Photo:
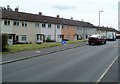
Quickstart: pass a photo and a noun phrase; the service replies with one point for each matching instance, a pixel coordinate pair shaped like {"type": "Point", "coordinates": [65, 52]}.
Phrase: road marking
{"type": "Point", "coordinates": [38, 51]}
{"type": "Point", "coordinates": [101, 77]}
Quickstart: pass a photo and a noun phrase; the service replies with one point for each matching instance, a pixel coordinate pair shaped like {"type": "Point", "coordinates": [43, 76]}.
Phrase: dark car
{"type": "Point", "coordinates": [97, 39]}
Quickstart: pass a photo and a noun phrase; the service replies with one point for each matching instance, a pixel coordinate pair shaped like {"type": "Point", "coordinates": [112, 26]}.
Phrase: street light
{"type": "Point", "coordinates": [99, 19]}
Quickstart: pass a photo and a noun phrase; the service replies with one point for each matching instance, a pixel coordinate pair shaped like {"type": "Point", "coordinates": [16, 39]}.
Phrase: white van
{"type": "Point", "coordinates": [111, 36]}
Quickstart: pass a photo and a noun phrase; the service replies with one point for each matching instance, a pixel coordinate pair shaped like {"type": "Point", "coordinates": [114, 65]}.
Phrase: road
{"type": "Point", "coordinates": [82, 64]}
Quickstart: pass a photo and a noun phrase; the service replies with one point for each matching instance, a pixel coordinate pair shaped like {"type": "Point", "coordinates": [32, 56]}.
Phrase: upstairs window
{"type": "Point", "coordinates": [49, 25]}
{"type": "Point", "coordinates": [36, 24]}
{"type": "Point", "coordinates": [43, 25]}
{"type": "Point", "coordinates": [16, 23]}
{"type": "Point", "coordinates": [24, 24]}
{"type": "Point", "coordinates": [58, 26]}
{"type": "Point", "coordinates": [7, 22]}
{"type": "Point", "coordinates": [78, 28]}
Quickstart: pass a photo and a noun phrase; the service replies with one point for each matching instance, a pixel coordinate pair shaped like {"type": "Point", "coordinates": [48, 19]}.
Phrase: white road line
{"type": "Point", "coordinates": [107, 70]}
{"type": "Point", "coordinates": [38, 51]}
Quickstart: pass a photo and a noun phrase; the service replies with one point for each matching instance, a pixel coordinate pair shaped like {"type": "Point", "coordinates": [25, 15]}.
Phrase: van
{"type": "Point", "coordinates": [111, 36]}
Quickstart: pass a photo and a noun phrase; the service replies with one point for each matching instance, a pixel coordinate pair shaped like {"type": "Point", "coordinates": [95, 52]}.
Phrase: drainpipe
{"type": "Point", "coordinates": [55, 32]}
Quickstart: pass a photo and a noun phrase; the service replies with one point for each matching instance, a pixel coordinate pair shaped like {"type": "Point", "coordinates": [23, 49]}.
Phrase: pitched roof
{"type": "Point", "coordinates": [15, 15]}
{"type": "Point", "coordinates": [106, 29]}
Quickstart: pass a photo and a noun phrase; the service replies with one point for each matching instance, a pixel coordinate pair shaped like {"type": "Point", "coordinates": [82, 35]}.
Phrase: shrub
{"type": "Point", "coordinates": [4, 42]}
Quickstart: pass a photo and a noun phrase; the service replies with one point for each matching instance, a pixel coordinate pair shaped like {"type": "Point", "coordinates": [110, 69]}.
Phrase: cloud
{"type": "Point", "coordinates": [63, 7]}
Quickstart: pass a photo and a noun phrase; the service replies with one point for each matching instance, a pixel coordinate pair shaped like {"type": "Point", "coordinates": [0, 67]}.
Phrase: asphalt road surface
{"type": "Point", "coordinates": [82, 64]}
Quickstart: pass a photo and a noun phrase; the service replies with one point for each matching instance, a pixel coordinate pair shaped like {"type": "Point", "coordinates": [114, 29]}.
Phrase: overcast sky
{"type": "Point", "coordinates": [88, 10]}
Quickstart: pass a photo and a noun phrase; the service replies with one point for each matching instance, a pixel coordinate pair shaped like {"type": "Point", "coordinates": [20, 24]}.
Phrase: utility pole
{"type": "Point", "coordinates": [99, 20]}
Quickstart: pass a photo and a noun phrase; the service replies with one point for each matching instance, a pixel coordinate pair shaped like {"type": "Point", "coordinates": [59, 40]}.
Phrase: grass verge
{"type": "Point", "coordinates": [26, 47]}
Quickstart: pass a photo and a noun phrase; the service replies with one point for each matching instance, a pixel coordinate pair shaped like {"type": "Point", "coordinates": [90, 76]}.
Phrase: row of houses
{"type": "Point", "coordinates": [28, 27]}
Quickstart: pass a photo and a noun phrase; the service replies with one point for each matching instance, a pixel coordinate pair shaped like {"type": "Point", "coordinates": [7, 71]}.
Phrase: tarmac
{"type": "Point", "coordinates": [18, 56]}
{"type": "Point", "coordinates": [110, 77]}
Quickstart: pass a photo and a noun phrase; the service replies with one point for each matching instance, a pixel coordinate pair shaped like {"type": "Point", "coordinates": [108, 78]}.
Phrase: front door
{"type": "Point", "coordinates": [41, 37]}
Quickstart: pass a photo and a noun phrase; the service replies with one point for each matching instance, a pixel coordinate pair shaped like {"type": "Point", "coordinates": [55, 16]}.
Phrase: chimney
{"type": "Point", "coordinates": [40, 13]}
{"type": "Point", "coordinates": [16, 9]}
{"type": "Point", "coordinates": [58, 16]}
{"type": "Point", "coordinates": [71, 18]}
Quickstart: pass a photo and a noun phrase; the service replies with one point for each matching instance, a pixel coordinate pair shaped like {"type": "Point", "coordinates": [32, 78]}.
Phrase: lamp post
{"type": "Point", "coordinates": [99, 19]}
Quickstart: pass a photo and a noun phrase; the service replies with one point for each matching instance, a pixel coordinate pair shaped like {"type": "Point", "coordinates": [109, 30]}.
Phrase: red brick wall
{"type": "Point", "coordinates": [69, 31]}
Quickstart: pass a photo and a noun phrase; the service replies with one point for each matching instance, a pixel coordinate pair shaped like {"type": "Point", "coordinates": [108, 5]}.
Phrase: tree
{"type": "Point", "coordinates": [7, 8]}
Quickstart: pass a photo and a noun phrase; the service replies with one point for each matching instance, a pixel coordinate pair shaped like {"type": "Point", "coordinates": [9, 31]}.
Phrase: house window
{"type": "Point", "coordinates": [24, 24]}
{"type": "Point", "coordinates": [62, 26]}
{"type": "Point", "coordinates": [24, 38]}
{"type": "Point", "coordinates": [6, 22]}
{"type": "Point", "coordinates": [36, 24]}
{"type": "Point", "coordinates": [58, 26]}
{"type": "Point", "coordinates": [81, 28]}
{"type": "Point", "coordinates": [49, 25]}
{"type": "Point", "coordinates": [43, 25]}
{"type": "Point", "coordinates": [16, 23]}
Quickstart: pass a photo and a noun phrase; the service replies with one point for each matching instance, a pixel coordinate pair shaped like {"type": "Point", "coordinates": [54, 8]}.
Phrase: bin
{"type": "Point", "coordinates": [63, 42]}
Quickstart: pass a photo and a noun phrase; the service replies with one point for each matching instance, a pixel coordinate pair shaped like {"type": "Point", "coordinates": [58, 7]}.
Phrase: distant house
{"type": "Point", "coordinates": [103, 30]}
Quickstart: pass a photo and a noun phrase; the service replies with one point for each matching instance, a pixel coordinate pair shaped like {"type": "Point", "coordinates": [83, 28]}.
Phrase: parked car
{"type": "Point", "coordinates": [97, 39]}
{"type": "Point", "coordinates": [117, 36]}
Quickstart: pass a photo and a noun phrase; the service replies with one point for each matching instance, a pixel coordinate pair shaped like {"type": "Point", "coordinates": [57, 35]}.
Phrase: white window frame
{"type": "Point", "coordinates": [37, 24]}
{"type": "Point", "coordinates": [24, 36]}
{"type": "Point", "coordinates": [16, 23]}
{"type": "Point", "coordinates": [49, 25]}
{"type": "Point", "coordinates": [43, 25]}
{"type": "Point", "coordinates": [7, 22]}
{"type": "Point", "coordinates": [58, 26]}
{"type": "Point", "coordinates": [24, 24]}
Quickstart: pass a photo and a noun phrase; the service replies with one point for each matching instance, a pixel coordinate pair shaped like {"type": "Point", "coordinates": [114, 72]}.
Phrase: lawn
{"type": "Point", "coordinates": [77, 41]}
{"type": "Point", "coordinates": [26, 47]}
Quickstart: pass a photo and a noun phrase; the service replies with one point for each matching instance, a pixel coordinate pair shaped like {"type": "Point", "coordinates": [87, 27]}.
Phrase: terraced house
{"type": "Point", "coordinates": [26, 27]}
{"type": "Point", "coordinates": [76, 30]}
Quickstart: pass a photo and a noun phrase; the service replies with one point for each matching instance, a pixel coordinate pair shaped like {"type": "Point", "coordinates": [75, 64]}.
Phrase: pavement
{"type": "Point", "coordinates": [18, 56]}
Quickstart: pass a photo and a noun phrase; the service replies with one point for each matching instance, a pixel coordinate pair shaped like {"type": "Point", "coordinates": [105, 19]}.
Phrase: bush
{"type": "Point", "coordinates": [49, 40]}
{"type": "Point", "coordinates": [4, 42]}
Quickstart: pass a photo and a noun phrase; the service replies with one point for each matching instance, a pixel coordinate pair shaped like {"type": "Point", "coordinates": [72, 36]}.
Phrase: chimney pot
{"type": "Point", "coordinates": [16, 9]}
{"type": "Point", "coordinates": [40, 13]}
{"type": "Point", "coordinates": [71, 18]}
{"type": "Point", "coordinates": [58, 16]}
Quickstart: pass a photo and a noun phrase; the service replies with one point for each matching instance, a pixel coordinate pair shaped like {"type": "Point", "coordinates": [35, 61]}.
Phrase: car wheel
{"type": "Point", "coordinates": [105, 42]}
{"type": "Point", "coordinates": [89, 43]}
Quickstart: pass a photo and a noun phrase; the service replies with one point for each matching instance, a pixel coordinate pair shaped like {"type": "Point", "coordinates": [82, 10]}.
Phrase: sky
{"type": "Point", "coordinates": [86, 10]}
